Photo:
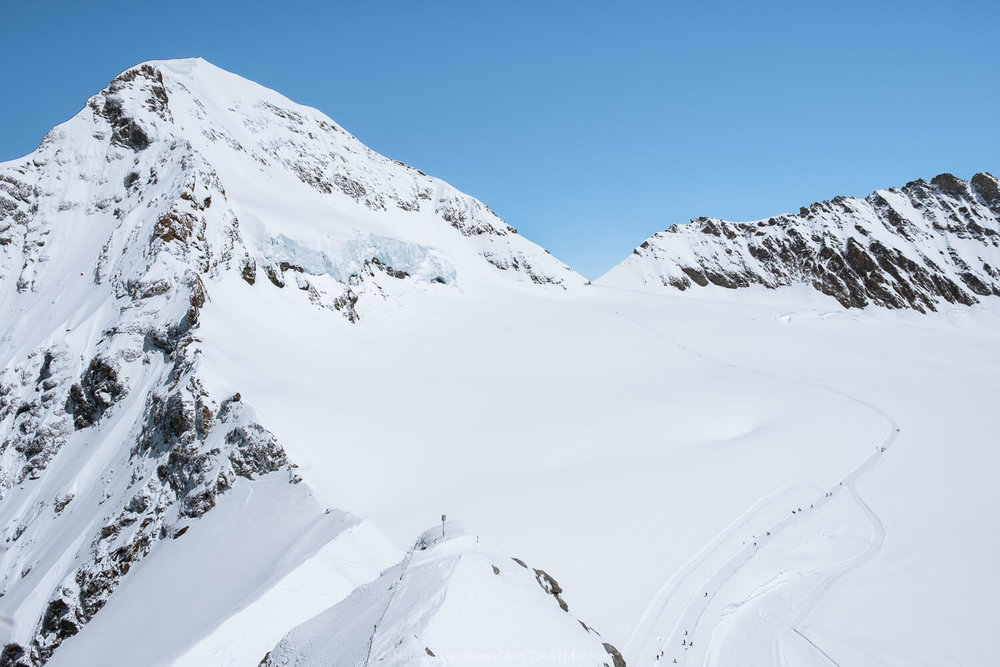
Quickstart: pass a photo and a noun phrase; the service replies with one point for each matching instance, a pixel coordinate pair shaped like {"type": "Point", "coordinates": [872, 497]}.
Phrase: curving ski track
{"type": "Point", "coordinates": [673, 620]}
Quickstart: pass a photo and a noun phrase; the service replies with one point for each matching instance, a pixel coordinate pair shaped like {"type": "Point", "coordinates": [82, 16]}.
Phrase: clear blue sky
{"type": "Point", "coordinates": [587, 125]}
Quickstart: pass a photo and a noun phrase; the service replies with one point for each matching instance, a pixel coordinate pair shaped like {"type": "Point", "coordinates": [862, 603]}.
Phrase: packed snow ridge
{"type": "Point", "coordinates": [912, 247]}
{"type": "Point", "coordinates": [453, 600]}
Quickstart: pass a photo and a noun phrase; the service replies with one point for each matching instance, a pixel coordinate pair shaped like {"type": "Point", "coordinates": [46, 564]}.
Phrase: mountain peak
{"type": "Point", "coordinates": [202, 79]}
{"type": "Point", "coordinates": [292, 185]}
{"type": "Point", "coordinates": [187, 70]}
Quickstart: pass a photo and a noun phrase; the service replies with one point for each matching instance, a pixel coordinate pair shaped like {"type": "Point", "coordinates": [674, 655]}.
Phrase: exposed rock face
{"type": "Point", "coordinates": [29, 403]}
{"type": "Point", "coordinates": [551, 586]}
{"type": "Point", "coordinates": [95, 393]}
{"type": "Point", "coordinates": [917, 247]}
{"type": "Point", "coordinates": [181, 452]}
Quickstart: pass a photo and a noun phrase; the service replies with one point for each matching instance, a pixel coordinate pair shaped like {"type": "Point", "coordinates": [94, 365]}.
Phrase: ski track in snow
{"type": "Point", "coordinates": [678, 609]}
{"type": "Point", "coordinates": [388, 605]}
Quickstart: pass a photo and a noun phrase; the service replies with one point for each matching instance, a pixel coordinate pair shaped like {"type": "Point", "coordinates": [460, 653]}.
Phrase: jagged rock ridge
{"type": "Point", "coordinates": [912, 247]}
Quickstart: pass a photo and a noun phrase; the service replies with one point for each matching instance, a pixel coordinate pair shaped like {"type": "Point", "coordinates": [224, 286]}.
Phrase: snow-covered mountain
{"type": "Point", "coordinates": [114, 235]}
{"type": "Point", "coordinates": [916, 247]}
{"type": "Point", "coordinates": [245, 361]}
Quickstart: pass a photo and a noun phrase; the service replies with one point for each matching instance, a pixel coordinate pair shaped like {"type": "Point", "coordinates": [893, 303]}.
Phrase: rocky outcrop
{"type": "Point", "coordinates": [551, 586]}
{"type": "Point", "coordinates": [918, 247]}
{"type": "Point", "coordinates": [30, 403]}
{"type": "Point", "coordinates": [98, 389]}
{"type": "Point", "coordinates": [127, 130]}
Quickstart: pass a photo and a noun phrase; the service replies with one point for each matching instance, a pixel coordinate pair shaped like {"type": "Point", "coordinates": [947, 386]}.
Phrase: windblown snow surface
{"type": "Point", "coordinates": [280, 407]}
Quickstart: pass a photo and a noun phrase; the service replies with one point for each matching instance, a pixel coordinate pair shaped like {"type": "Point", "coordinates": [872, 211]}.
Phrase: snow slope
{"type": "Point", "coordinates": [893, 567]}
{"type": "Point", "coordinates": [451, 602]}
{"type": "Point", "coordinates": [616, 439]}
{"type": "Point", "coordinates": [225, 318]}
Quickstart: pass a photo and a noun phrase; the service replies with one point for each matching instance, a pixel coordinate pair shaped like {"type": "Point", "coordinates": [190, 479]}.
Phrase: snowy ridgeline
{"type": "Point", "coordinates": [450, 601]}
{"type": "Point", "coordinates": [920, 246]}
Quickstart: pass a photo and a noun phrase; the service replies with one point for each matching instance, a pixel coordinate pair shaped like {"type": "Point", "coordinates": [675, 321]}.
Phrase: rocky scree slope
{"type": "Point", "coordinates": [919, 246]}
{"type": "Point", "coordinates": [174, 178]}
